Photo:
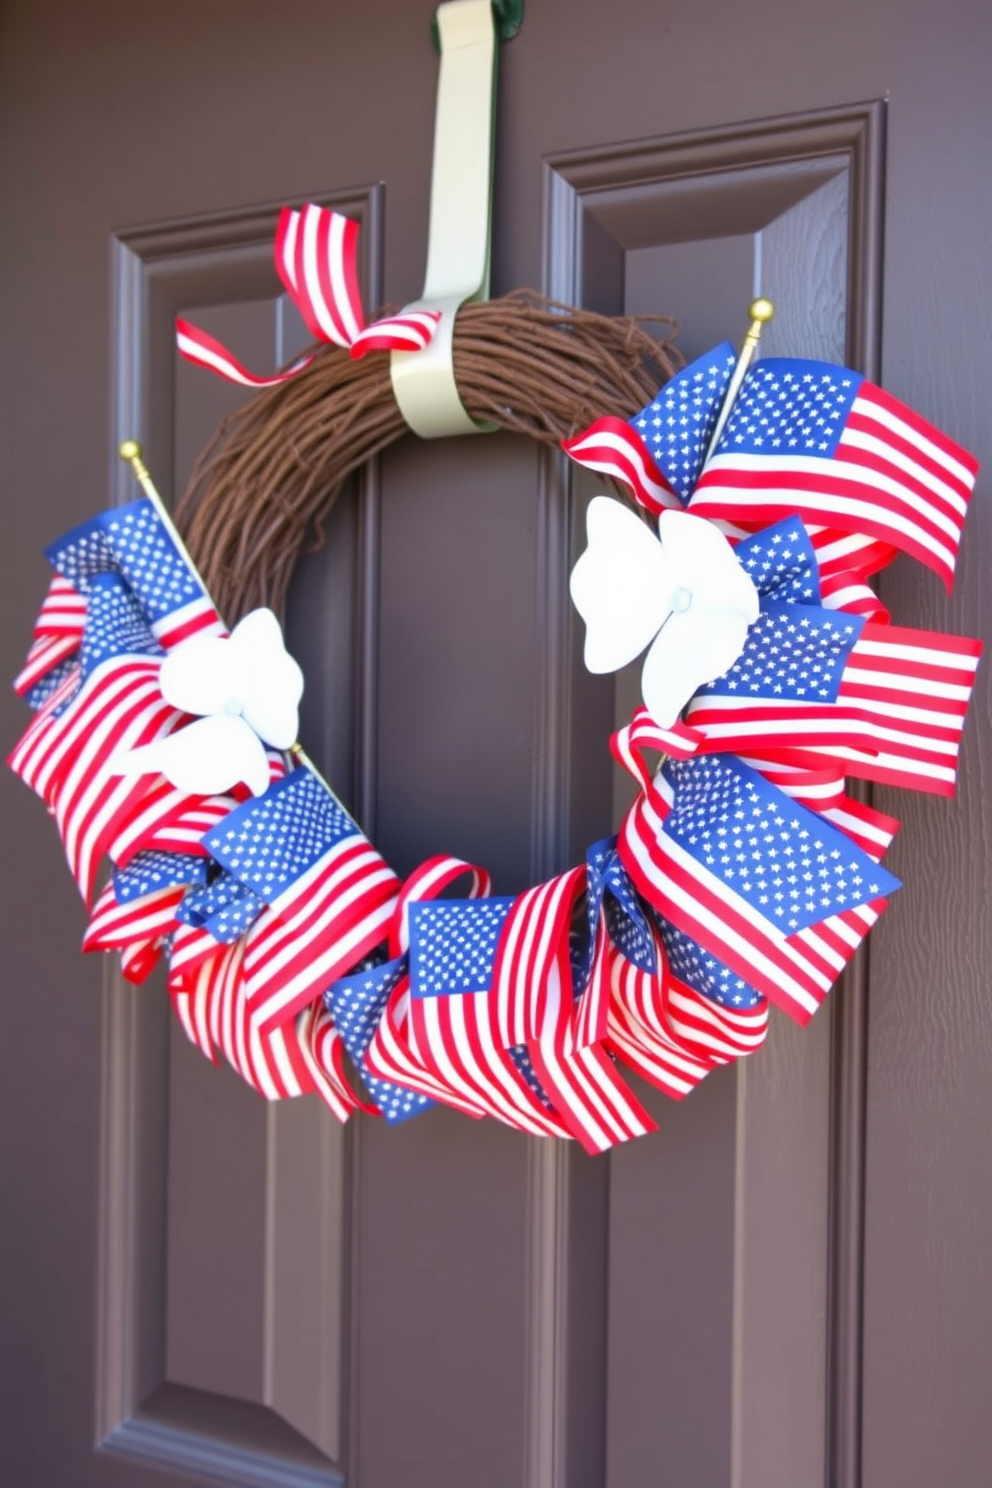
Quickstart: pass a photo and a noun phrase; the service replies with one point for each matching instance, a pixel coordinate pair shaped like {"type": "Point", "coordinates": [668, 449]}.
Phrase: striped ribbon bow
{"type": "Point", "coordinates": [316, 257]}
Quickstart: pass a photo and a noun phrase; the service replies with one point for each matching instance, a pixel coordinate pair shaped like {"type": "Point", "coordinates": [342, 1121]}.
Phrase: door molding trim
{"type": "Point", "coordinates": [213, 259]}
{"type": "Point", "coordinates": [629, 196]}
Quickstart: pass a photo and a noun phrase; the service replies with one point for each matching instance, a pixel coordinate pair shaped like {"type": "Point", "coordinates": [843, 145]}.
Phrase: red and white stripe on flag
{"type": "Point", "coordinates": [795, 972]}
{"type": "Point", "coordinates": [455, 1037]}
{"type": "Point", "coordinates": [392, 1056]}
{"type": "Point", "coordinates": [583, 1083]}
{"type": "Point", "coordinates": [303, 1056]}
{"type": "Point", "coordinates": [893, 477]}
{"type": "Point", "coordinates": [670, 1033]}
{"type": "Point", "coordinates": [528, 953]}
{"type": "Point", "coordinates": [328, 919]}
{"type": "Point", "coordinates": [611, 447]}
{"type": "Point", "coordinates": [898, 717]}
{"type": "Point", "coordinates": [58, 633]}
{"type": "Point", "coordinates": [137, 929]}
{"type": "Point", "coordinates": [68, 760]}
{"type": "Point", "coordinates": [628, 744]}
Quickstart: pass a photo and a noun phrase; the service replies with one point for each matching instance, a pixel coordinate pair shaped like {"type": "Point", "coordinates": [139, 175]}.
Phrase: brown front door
{"type": "Point", "coordinates": [785, 1286]}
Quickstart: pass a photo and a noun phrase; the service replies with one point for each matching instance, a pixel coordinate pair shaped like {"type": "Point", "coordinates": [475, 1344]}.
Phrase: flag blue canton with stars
{"type": "Point", "coordinates": [115, 625]}
{"type": "Point", "coordinates": [608, 888]}
{"type": "Point", "coordinates": [271, 842]}
{"type": "Point", "coordinates": [453, 944]}
{"type": "Point", "coordinates": [691, 964]}
{"type": "Point", "coordinates": [792, 653]}
{"type": "Point", "coordinates": [37, 696]}
{"type": "Point", "coordinates": [131, 541]}
{"type": "Point", "coordinates": [225, 908]}
{"type": "Point", "coordinates": [793, 868]}
{"type": "Point", "coordinates": [790, 407]}
{"type": "Point", "coordinates": [356, 1004]}
{"type": "Point", "coordinates": [781, 562]}
{"type": "Point", "coordinates": [676, 427]}
{"type": "Point", "coordinates": [151, 871]}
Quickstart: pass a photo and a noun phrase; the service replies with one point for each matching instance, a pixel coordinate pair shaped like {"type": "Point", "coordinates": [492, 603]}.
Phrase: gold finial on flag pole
{"type": "Point", "coordinates": [761, 312]}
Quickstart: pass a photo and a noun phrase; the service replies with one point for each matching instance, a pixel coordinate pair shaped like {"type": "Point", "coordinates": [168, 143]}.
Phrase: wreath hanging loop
{"type": "Point", "coordinates": [262, 488]}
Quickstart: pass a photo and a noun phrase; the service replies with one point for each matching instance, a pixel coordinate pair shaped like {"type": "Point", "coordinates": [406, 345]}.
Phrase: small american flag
{"type": "Point", "coordinates": [890, 702]}
{"type": "Point", "coordinates": [660, 452]}
{"type": "Point", "coordinates": [453, 1024]}
{"type": "Point", "coordinates": [133, 542]}
{"type": "Point", "coordinates": [330, 896]}
{"type": "Point", "coordinates": [768, 888]}
{"type": "Point", "coordinates": [819, 440]}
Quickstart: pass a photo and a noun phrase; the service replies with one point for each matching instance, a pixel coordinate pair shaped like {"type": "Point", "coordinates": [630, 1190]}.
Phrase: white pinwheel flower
{"type": "Point", "coordinates": [246, 690]}
{"type": "Point", "coordinates": [683, 592]}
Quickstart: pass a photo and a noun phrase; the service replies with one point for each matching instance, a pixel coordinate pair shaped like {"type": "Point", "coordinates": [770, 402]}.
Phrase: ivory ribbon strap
{"type": "Point", "coordinates": [461, 203]}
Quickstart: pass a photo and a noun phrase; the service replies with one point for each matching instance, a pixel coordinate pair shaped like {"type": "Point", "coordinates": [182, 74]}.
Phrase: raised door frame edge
{"type": "Point", "coordinates": [130, 1354]}
{"type": "Point", "coordinates": [571, 183]}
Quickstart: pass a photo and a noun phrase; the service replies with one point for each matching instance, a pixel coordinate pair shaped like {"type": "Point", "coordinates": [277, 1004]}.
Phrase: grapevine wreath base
{"type": "Point", "coordinates": [743, 875]}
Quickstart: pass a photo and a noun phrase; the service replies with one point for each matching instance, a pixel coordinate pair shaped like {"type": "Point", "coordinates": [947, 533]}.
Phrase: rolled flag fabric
{"type": "Point", "coordinates": [58, 634]}
{"type": "Point", "coordinates": [357, 1004]}
{"type": "Point", "coordinates": [301, 1057]}
{"type": "Point", "coordinates": [316, 257]}
{"type": "Point", "coordinates": [533, 999]}
{"type": "Point", "coordinates": [820, 440]}
{"type": "Point", "coordinates": [67, 755]}
{"type": "Point", "coordinates": [329, 895]}
{"type": "Point", "coordinates": [659, 453]}
{"type": "Point", "coordinates": [767, 887]}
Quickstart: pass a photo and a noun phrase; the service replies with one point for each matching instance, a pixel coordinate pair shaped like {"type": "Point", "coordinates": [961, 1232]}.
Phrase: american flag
{"type": "Point", "coordinates": [453, 1029]}
{"type": "Point", "coordinates": [135, 543]}
{"type": "Point", "coordinates": [890, 702]}
{"type": "Point", "coordinates": [765, 886]}
{"type": "Point", "coordinates": [660, 452]}
{"type": "Point", "coordinates": [819, 440]}
{"type": "Point", "coordinates": [67, 756]}
{"type": "Point", "coordinates": [330, 896]}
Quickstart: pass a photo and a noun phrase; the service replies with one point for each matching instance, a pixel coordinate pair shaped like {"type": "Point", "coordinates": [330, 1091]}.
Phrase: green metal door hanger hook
{"type": "Point", "coordinates": [509, 19]}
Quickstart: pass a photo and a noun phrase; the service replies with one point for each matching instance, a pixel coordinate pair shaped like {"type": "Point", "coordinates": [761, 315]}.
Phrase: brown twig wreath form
{"type": "Point", "coordinates": [261, 489]}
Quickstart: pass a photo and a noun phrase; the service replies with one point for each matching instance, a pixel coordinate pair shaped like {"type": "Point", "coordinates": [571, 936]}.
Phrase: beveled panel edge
{"type": "Point", "coordinates": [849, 1026]}
{"type": "Point", "coordinates": [139, 256]}
{"type": "Point", "coordinates": [159, 1436]}
{"type": "Point", "coordinates": [780, 140]}
{"type": "Point", "coordinates": [858, 131]}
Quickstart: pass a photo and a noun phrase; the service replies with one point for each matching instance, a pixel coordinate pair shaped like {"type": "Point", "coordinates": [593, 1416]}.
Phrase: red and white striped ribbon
{"type": "Point", "coordinates": [316, 256]}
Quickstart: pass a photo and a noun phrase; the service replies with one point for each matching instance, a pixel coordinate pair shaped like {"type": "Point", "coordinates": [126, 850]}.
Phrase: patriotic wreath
{"type": "Point", "coordinates": [743, 874]}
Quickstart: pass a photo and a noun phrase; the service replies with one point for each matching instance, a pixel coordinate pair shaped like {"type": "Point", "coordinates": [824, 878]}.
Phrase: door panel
{"type": "Point", "coordinates": [197, 1285]}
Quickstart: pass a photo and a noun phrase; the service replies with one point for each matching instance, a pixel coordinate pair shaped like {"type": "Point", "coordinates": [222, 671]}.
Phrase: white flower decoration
{"type": "Point", "coordinates": [246, 690]}
{"type": "Point", "coordinates": [686, 593]}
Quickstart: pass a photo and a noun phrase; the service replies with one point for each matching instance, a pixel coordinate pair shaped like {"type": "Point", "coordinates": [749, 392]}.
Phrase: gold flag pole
{"type": "Point", "coordinates": [761, 312]}
{"type": "Point", "coordinates": [130, 453]}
